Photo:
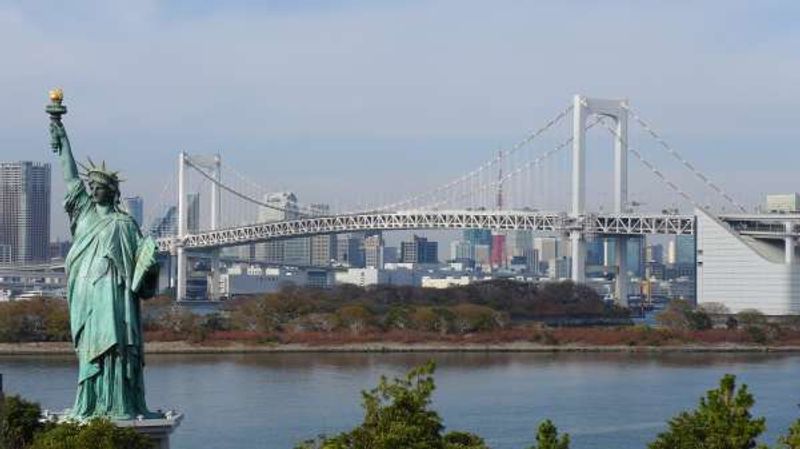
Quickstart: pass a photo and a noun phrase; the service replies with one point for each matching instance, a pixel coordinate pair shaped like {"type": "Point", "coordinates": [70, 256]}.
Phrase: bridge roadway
{"type": "Point", "coordinates": [589, 224]}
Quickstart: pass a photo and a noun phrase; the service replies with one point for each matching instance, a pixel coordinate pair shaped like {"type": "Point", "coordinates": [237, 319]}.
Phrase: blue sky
{"type": "Point", "coordinates": [335, 99]}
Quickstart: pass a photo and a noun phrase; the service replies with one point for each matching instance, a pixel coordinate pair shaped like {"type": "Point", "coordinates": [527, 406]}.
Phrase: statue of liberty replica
{"type": "Point", "coordinates": [110, 267]}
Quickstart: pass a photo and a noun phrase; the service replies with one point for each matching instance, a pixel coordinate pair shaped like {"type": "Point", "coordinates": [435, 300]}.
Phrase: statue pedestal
{"type": "Point", "coordinates": [158, 429]}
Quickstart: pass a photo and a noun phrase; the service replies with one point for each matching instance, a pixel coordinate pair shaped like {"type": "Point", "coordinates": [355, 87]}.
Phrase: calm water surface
{"type": "Point", "coordinates": [275, 400]}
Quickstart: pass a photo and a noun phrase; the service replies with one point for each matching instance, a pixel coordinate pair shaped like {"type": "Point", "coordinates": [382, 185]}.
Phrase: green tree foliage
{"type": "Point", "coordinates": [397, 415]}
{"type": "Point", "coordinates": [97, 434]}
{"type": "Point", "coordinates": [721, 421]}
{"type": "Point", "coordinates": [792, 438]}
{"type": "Point", "coordinates": [20, 422]}
{"type": "Point", "coordinates": [463, 440]}
{"type": "Point", "coordinates": [679, 315]}
{"type": "Point", "coordinates": [547, 437]}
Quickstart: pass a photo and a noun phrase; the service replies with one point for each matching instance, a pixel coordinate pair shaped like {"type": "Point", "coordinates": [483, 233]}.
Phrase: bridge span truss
{"type": "Point", "coordinates": [609, 224]}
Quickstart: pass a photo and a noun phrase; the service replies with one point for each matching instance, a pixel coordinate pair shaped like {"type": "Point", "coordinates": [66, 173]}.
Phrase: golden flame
{"type": "Point", "coordinates": [56, 94]}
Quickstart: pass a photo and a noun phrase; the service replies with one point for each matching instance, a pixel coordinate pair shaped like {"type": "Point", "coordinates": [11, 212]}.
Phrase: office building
{"type": "Point", "coordinates": [478, 236]}
{"type": "Point", "coordinates": [323, 247]}
{"type": "Point", "coordinates": [655, 253]}
{"type": "Point", "coordinates": [24, 212]}
{"type": "Point", "coordinates": [135, 207]}
{"type": "Point", "coordinates": [373, 251]}
{"type": "Point", "coordinates": [462, 250]}
{"type": "Point", "coordinates": [283, 206]}
{"type": "Point", "coordinates": [419, 250]}
{"type": "Point", "coordinates": [498, 257]}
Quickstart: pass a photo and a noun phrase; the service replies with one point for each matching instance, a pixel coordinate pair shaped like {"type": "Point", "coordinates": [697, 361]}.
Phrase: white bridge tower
{"type": "Point", "coordinates": [583, 108]}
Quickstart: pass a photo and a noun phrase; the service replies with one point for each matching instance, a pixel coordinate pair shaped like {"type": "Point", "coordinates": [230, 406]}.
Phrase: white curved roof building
{"type": "Point", "coordinates": [748, 262]}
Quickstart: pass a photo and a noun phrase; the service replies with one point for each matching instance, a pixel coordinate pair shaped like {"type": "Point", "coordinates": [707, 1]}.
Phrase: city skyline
{"type": "Point", "coordinates": [394, 101]}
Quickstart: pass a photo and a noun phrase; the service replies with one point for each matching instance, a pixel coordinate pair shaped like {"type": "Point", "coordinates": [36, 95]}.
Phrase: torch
{"type": "Point", "coordinates": [55, 109]}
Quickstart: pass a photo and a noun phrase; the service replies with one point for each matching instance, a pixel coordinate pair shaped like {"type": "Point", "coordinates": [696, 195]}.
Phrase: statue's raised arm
{"type": "Point", "coordinates": [58, 136]}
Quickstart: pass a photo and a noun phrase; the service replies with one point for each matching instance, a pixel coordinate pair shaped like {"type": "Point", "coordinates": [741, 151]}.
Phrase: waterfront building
{"type": "Point", "coordinates": [364, 277]}
{"type": "Point", "coordinates": [743, 272]}
{"type": "Point", "coordinates": [24, 212]}
{"type": "Point", "coordinates": [135, 207]}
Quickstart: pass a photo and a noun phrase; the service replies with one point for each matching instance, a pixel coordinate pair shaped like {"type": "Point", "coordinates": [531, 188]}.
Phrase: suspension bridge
{"type": "Point", "coordinates": [516, 189]}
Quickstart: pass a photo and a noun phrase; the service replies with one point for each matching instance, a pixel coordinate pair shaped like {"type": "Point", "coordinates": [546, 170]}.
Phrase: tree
{"type": "Point", "coordinates": [397, 415]}
{"type": "Point", "coordinates": [721, 421]}
{"type": "Point", "coordinates": [547, 437]}
{"type": "Point", "coordinates": [792, 439]}
{"type": "Point", "coordinates": [20, 422]}
{"type": "Point", "coordinates": [680, 316]}
{"type": "Point", "coordinates": [96, 434]}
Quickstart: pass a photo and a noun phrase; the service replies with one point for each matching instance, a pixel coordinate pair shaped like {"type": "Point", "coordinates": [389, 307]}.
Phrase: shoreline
{"type": "Point", "coordinates": [182, 347]}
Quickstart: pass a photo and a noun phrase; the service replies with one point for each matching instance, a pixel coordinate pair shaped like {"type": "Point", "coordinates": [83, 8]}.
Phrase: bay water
{"type": "Point", "coordinates": [603, 400]}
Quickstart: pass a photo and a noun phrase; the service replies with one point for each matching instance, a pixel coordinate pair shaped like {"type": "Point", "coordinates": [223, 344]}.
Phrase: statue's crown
{"type": "Point", "coordinates": [101, 175]}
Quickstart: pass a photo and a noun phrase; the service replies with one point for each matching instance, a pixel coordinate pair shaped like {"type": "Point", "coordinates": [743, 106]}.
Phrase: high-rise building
{"type": "Point", "coordinates": [297, 251]}
{"type": "Point", "coordinates": [518, 243]}
{"type": "Point", "coordinates": [323, 247]}
{"type": "Point", "coordinates": [462, 250]}
{"type": "Point", "coordinates": [283, 207]}
{"type": "Point", "coordinates": [498, 257]}
{"type": "Point", "coordinates": [684, 249]}
{"type": "Point", "coordinates": [595, 251]}
{"type": "Point", "coordinates": [655, 253]}
{"type": "Point", "coordinates": [193, 212]}
{"type": "Point", "coordinates": [478, 236]}
{"type": "Point", "coordinates": [135, 206]}
{"type": "Point", "coordinates": [419, 250]}
{"type": "Point", "coordinates": [24, 212]}
{"type": "Point", "coordinates": [548, 248]}
{"type": "Point", "coordinates": [165, 224]}
{"type": "Point", "coordinates": [636, 257]}
{"type": "Point", "coordinates": [373, 251]}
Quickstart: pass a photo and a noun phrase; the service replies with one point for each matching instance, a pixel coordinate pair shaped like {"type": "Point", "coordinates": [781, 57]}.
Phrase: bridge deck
{"type": "Point", "coordinates": [602, 224]}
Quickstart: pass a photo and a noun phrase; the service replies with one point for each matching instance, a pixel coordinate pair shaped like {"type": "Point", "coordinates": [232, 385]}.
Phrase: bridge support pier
{"type": "Point", "coordinates": [213, 290]}
{"type": "Point", "coordinates": [578, 249]}
{"type": "Point", "coordinates": [789, 243]}
{"type": "Point", "coordinates": [180, 287]}
{"type": "Point", "coordinates": [621, 251]}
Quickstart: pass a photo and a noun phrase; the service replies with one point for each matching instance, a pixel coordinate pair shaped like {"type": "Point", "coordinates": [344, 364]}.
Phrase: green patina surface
{"type": "Point", "coordinates": [110, 267]}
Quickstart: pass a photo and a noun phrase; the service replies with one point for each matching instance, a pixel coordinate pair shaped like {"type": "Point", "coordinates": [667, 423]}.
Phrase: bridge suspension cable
{"type": "Point", "coordinates": [234, 192]}
{"type": "Point", "coordinates": [677, 156]}
{"type": "Point", "coordinates": [658, 173]}
{"type": "Point", "coordinates": [525, 167]}
{"type": "Point", "coordinates": [487, 165]}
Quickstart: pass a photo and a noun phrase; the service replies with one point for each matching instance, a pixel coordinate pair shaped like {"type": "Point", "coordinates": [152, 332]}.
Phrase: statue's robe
{"type": "Point", "coordinates": [104, 284]}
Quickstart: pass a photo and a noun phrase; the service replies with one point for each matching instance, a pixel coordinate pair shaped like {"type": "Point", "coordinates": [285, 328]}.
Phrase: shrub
{"type": "Point", "coordinates": [20, 422]}
{"type": "Point", "coordinates": [96, 434]}
{"type": "Point", "coordinates": [547, 437]}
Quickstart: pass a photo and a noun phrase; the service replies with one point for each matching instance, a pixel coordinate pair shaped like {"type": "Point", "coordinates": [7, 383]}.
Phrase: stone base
{"type": "Point", "coordinates": [158, 429]}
